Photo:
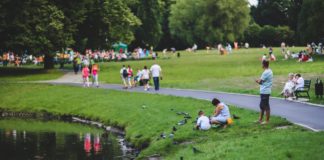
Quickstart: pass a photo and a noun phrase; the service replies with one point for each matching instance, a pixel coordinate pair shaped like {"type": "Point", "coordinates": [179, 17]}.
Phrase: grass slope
{"type": "Point", "coordinates": [145, 117]}
{"type": "Point", "coordinates": [232, 73]}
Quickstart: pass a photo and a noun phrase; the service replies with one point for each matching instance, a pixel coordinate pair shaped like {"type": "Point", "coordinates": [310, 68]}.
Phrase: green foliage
{"type": "Point", "coordinates": [252, 34]}
{"type": "Point", "coordinates": [209, 21]}
{"type": "Point", "coordinates": [107, 22]}
{"type": "Point", "coordinates": [271, 12]}
{"type": "Point", "coordinates": [311, 24]}
{"type": "Point", "coordinates": [150, 14]}
{"type": "Point", "coordinates": [35, 25]}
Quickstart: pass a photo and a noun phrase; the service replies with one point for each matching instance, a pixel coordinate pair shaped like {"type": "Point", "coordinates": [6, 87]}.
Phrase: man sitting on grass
{"type": "Point", "coordinates": [221, 113]}
{"type": "Point", "coordinates": [202, 122]}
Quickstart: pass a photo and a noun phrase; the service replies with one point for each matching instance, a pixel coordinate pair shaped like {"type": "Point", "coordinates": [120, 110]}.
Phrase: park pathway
{"type": "Point", "coordinates": [304, 114]}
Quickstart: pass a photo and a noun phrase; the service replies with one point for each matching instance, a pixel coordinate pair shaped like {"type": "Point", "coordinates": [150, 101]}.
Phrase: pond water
{"type": "Point", "coordinates": [29, 139]}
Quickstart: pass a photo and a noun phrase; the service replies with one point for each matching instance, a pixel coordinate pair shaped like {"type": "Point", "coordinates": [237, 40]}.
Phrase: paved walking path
{"type": "Point", "coordinates": [307, 115]}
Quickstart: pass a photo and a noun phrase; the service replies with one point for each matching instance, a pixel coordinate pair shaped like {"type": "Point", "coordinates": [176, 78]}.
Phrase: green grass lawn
{"type": "Point", "coordinates": [28, 73]}
{"type": "Point", "coordinates": [231, 73]}
{"type": "Point", "coordinates": [144, 117]}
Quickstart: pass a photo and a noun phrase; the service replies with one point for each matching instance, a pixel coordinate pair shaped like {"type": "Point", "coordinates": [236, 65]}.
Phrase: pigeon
{"type": "Point", "coordinates": [195, 150]}
{"type": "Point", "coordinates": [163, 135]}
{"type": "Point", "coordinates": [182, 122]}
{"type": "Point", "coordinates": [235, 116]}
{"type": "Point", "coordinates": [174, 129]}
{"type": "Point", "coordinates": [187, 116]}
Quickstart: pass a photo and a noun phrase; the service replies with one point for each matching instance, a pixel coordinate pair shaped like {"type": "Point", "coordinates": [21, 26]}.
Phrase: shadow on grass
{"type": "Point", "coordinates": [13, 72]}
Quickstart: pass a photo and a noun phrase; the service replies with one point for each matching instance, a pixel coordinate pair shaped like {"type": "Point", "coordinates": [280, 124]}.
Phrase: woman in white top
{"type": "Point", "coordinates": [299, 81]}
{"type": "Point", "coordinates": [145, 78]}
{"type": "Point", "coordinates": [289, 88]}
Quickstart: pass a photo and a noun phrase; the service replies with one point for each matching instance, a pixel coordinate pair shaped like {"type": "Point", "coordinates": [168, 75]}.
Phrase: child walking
{"type": "Point", "coordinates": [85, 76]}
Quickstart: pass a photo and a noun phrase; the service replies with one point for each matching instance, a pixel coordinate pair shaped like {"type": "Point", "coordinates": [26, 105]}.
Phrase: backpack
{"type": "Point", "coordinates": [125, 74]}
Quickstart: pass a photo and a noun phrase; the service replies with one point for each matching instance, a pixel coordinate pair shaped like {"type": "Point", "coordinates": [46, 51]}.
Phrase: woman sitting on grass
{"type": "Point", "coordinates": [221, 113]}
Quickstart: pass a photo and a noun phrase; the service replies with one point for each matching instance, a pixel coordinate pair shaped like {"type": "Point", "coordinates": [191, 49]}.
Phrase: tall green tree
{"type": "Point", "coordinates": [311, 24]}
{"type": "Point", "coordinates": [209, 21]}
{"type": "Point", "coordinates": [107, 22]}
{"type": "Point", "coordinates": [34, 25]}
{"type": "Point", "coordinates": [271, 12]}
{"type": "Point", "coordinates": [150, 13]}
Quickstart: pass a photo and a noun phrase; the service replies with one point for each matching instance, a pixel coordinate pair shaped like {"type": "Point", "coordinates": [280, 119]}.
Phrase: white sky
{"type": "Point", "coordinates": [253, 2]}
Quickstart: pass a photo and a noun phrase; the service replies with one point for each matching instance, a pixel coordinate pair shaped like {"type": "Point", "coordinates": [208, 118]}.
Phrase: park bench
{"type": "Point", "coordinates": [303, 92]}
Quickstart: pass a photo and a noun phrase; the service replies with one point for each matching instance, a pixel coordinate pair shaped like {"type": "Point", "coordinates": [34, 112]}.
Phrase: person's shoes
{"type": "Point", "coordinates": [264, 123]}
{"type": "Point", "coordinates": [258, 122]}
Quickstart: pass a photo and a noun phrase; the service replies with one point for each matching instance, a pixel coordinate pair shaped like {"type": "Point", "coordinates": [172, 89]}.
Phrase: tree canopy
{"type": "Point", "coordinates": [311, 24]}
{"type": "Point", "coordinates": [209, 21]}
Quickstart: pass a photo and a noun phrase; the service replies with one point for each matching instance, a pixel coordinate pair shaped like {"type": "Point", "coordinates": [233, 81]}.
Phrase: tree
{"type": "Point", "coordinates": [107, 22]}
{"type": "Point", "coordinates": [270, 35]}
{"type": "Point", "coordinates": [150, 14]}
{"type": "Point", "coordinates": [271, 12]}
{"type": "Point", "coordinates": [252, 34]}
{"type": "Point", "coordinates": [209, 21]}
{"type": "Point", "coordinates": [34, 25]}
{"type": "Point", "coordinates": [311, 24]}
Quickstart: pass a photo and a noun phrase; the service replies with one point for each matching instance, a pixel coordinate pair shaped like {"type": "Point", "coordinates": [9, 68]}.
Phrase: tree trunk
{"type": "Point", "coordinates": [48, 61]}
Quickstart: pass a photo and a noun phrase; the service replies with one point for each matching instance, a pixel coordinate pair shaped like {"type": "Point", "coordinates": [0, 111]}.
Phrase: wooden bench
{"type": "Point", "coordinates": [300, 92]}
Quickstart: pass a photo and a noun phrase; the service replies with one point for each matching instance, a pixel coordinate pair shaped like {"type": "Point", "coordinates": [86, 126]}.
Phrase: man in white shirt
{"type": "Point", "coordinates": [156, 74]}
{"type": "Point", "coordinates": [299, 82]}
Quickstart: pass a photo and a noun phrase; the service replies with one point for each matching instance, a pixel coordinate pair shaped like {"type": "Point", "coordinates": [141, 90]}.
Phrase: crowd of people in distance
{"type": "Point", "coordinates": [142, 77]}
{"type": "Point", "coordinates": [10, 57]}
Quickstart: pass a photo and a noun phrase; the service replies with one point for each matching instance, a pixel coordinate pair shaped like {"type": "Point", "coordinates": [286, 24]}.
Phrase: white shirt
{"type": "Point", "coordinates": [203, 123]}
{"type": "Point", "coordinates": [156, 70]}
{"type": "Point", "coordinates": [145, 74]}
{"type": "Point", "coordinates": [300, 83]}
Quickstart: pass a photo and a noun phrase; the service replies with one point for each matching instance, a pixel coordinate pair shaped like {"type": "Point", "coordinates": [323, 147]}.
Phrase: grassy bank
{"type": "Point", "coordinates": [46, 126]}
{"type": "Point", "coordinates": [144, 117]}
{"type": "Point", "coordinates": [28, 73]}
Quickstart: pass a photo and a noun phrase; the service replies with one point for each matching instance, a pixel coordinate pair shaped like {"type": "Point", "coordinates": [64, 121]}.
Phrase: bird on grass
{"type": "Point", "coordinates": [235, 116]}
{"type": "Point", "coordinates": [195, 150]}
{"type": "Point", "coordinates": [182, 122]}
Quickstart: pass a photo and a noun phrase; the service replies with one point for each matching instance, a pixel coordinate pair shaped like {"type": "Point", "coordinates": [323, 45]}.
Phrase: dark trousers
{"type": "Point", "coordinates": [156, 83]}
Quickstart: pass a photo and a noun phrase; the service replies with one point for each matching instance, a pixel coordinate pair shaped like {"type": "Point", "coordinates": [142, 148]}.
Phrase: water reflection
{"type": "Point", "coordinates": [22, 144]}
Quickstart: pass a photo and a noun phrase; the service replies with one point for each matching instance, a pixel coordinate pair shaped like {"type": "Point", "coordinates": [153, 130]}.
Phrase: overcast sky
{"type": "Point", "coordinates": [253, 2]}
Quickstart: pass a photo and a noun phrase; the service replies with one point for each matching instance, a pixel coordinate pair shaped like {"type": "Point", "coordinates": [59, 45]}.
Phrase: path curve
{"type": "Point", "coordinates": [307, 115]}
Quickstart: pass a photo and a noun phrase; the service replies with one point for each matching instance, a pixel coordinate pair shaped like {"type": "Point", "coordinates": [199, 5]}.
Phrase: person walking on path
{"type": "Point", "coordinates": [85, 76]}
{"type": "Point", "coordinates": [94, 72]}
{"type": "Point", "coordinates": [130, 76]}
{"type": "Point", "coordinates": [124, 75]}
{"type": "Point", "coordinates": [145, 78]}
{"type": "Point", "coordinates": [156, 74]}
{"type": "Point", "coordinates": [265, 83]}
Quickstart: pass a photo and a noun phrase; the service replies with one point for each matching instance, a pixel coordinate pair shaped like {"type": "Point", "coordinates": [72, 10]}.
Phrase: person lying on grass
{"type": "Point", "coordinates": [203, 122]}
{"type": "Point", "coordinates": [221, 113]}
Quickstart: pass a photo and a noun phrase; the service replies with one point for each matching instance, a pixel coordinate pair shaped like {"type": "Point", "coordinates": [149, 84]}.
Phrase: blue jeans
{"type": "Point", "coordinates": [156, 83]}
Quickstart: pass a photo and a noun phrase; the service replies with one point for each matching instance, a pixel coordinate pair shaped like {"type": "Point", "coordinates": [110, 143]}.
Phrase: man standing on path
{"type": "Point", "coordinates": [156, 74]}
{"type": "Point", "coordinates": [265, 90]}
{"type": "Point", "coordinates": [124, 76]}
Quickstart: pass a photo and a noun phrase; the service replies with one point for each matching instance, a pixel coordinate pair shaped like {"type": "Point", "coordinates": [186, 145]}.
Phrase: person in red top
{"type": "Point", "coordinates": [94, 72]}
{"type": "Point", "coordinates": [85, 76]}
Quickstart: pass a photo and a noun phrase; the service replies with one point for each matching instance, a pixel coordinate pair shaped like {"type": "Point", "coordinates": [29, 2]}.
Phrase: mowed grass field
{"type": "Point", "coordinates": [235, 72]}
{"type": "Point", "coordinates": [145, 117]}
